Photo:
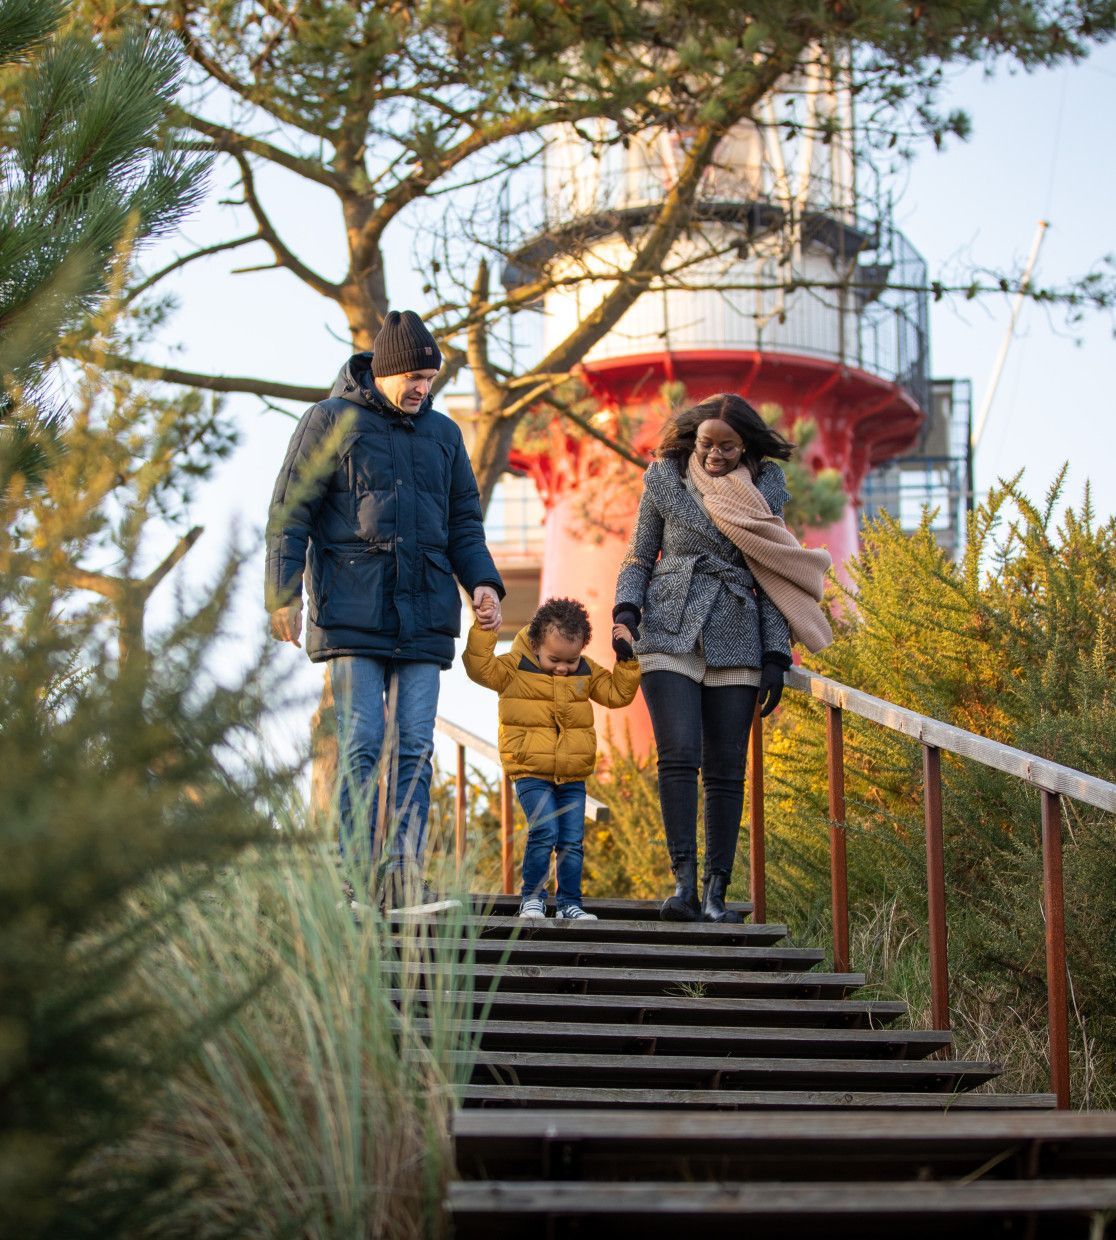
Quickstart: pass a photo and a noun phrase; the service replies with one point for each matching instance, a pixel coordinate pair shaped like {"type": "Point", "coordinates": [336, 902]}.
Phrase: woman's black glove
{"type": "Point", "coordinates": [771, 682]}
{"type": "Point", "coordinates": [628, 615]}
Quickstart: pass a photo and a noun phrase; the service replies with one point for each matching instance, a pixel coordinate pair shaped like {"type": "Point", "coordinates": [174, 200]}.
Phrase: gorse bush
{"type": "Point", "coordinates": [1015, 643]}
{"type": "Point", "coordinates": [626, 857]}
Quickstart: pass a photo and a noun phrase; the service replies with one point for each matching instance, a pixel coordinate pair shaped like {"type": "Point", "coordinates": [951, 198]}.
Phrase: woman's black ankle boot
{"type": "Point", "coordinates": [713, 901]}
{"type": "Point", "coordinates": [683, 905]}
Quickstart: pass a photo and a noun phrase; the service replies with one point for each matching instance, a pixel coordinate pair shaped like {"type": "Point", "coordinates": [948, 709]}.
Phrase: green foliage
{"type": "Point", "coordinates": [113, 771]}
{"type": "Point", "coordinates": [626, 857]}
{"type": "Point", "coordinates": [816, 499]}
{"type": "Point", "coordinates": [1014, 644]}
{"type": "Point", "coordinates": [85, 173]}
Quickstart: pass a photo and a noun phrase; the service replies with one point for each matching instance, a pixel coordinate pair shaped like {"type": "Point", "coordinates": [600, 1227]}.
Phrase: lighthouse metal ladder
{"type": "Point", "coordinates": [634, 1077]}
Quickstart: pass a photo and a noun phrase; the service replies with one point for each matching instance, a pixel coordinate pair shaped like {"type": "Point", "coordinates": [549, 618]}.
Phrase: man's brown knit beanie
{"type": "Point", "coordinates": [404, 345]}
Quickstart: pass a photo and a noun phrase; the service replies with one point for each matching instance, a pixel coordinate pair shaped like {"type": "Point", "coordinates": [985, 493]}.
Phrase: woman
{"type": "Point", "coordinates": [718, 586]}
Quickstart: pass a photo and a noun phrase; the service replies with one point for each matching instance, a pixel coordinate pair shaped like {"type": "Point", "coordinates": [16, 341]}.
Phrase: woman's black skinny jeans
{"type": "Point", "coordinates": [700, 727]}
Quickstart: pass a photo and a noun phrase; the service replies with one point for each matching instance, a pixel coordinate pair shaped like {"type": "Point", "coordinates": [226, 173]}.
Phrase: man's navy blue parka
{"type": "Point", "coordinates": [383, 510]}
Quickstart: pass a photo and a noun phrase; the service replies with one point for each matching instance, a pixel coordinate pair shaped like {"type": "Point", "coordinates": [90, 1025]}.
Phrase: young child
{"type": "Point", "coordinates": [547, 741]}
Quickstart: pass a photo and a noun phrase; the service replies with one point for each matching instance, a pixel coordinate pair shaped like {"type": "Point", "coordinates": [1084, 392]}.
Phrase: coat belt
{"type": "Point", "coordinates": [737, 581]}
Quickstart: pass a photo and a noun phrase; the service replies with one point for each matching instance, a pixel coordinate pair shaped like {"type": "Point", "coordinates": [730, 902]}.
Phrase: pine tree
{"type": "Point", "coordinates": [418, 116]}
{"type": "Point", "coordinates": [85, 171]}
{"type": "Point", "coordinates": [113, 771]}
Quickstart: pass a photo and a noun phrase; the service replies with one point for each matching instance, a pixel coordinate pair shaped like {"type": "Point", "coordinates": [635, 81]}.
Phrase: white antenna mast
{"type": "Point", "coordinates": [1009, 335]}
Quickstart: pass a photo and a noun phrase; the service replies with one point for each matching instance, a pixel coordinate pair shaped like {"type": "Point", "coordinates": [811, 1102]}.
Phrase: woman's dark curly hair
{"type": "Point", "coordinates": [564, 614]}
{"type": "Point", "coordinates": [760, 440]}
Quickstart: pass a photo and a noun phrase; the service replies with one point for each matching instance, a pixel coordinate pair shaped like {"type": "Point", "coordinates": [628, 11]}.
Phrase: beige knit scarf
{"type": "Point", "coordinates": [791, 575]}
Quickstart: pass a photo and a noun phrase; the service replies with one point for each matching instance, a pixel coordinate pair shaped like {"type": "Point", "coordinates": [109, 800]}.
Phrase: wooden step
{"type": "Point", "coordinates": [674, 1009]}
{"type": "Point", "coordinates": [539, 979]}
{"type": "Point", "coordinates": [517, 1068]}
{"type": "Point", "coordinates": [495, 1034]}
{"type": "Point", "coordinates": [498, 1209]}
{"type": "Point", "coordinates": [828, 1146]}
{"type": "Point", "coordinates": [632, 910]}
{"type": "Point", "coordinates": [696, 959]}
{"type": "Point", "coordinates": [583, 1097]}
{"type": "Point", "coordinates": [611, 1063]}
{"type": "Point", "coordinates": [746, 934]}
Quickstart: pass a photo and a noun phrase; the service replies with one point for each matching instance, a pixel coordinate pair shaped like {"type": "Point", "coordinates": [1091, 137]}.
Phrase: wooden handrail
{"type": "Point", "coordinates": [595, 811]}
{"type": "Point", "coordinates": [1051, 778]}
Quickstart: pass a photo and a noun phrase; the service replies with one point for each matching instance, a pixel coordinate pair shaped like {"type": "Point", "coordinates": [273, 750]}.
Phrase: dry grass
{"type": "Point", "coordinates": [991, 1019]}
{"type": "Point", "coordinates": [319, 1108]}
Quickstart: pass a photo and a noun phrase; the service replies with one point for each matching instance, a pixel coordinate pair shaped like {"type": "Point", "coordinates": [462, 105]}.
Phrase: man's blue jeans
{"type": "Point", "coordinates": [555, 821]}
{"type": "Point", "coordinates": [361, 692]}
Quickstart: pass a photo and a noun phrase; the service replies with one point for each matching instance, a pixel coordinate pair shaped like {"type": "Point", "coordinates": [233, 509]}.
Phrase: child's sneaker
{"type": "Point", "coordinates": [533, 906]}
{"type": "Point", "coordinates": [574, 912]}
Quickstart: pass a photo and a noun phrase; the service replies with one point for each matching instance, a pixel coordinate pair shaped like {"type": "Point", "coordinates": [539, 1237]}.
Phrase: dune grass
{"type": "Point", "coordinates": [321, 1105]}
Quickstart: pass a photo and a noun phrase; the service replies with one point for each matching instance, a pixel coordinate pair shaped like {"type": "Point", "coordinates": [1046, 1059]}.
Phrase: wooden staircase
{"type": "Point", "coordinates": [633, 1076]}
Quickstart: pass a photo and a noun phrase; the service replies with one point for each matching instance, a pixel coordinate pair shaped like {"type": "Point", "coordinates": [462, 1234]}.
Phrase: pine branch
{"type": "Point", "coordinates": [148, 584]}
{"type": "Point", "coordinates": [250, 94]}
{"type": "Point", "coordinates": [107, 585]}
{"type": "Point", "coordinates": [430, 171]}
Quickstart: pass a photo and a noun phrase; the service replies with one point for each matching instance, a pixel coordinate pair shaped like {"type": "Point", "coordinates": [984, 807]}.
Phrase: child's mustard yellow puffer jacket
{"type": "Point", "coordinates": [546, 722]}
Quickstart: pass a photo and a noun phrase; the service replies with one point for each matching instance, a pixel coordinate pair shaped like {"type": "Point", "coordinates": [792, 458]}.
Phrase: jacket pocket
{"type": "Point", "coordinates": [352, 589]}
{"type": "Point", "coordinates": [667, 591]}
{"type": "Point", "coordinates": [513, 746]}
{"type": "Point", "coordinates": [442, 602]}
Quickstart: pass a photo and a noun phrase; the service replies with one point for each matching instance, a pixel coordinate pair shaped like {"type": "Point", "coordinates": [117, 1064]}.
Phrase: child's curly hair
{"type": "Point", "coordinates": [566, 615]}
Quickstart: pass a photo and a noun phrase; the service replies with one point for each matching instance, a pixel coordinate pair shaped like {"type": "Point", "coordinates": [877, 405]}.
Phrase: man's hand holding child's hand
{"type": "Point", "coordinates": [622, 641]}
{"type": "Point", "coordinates": [486, 608]}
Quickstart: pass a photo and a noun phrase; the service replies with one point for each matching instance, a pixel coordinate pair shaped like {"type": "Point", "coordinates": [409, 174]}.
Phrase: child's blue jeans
{"type": "Point", "coordinates": [555, 822]}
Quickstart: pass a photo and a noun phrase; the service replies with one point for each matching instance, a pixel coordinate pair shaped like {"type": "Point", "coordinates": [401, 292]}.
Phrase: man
{"type": "Point", "coordinates": [377, 492]}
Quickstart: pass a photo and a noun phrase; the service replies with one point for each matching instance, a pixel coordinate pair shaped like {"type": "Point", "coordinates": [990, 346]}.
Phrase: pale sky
{"type": "Point", "coordinates": [1042, 148]}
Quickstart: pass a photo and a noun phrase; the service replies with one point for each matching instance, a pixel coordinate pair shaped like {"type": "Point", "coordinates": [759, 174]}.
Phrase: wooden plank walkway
{"type": "Point", "coordinates": [630, 1074]}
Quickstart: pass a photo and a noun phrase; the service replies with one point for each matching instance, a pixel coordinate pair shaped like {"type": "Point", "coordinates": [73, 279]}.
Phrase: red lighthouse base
{"type": "Point", "coordinates": [592, 494]}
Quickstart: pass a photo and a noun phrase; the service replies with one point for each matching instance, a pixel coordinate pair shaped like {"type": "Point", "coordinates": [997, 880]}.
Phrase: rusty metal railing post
{"type": "Point", "coordinates": [459, 808]}
{"type": "Point", "coordinates": [935, 885]}
{"type": "Point", "coordinates": [756, 842]}
{"type": "Point", "coordinates": [1055, 910]}
{"type": "Point", "coordinates": [506, 858]}
{"type": "Point", "coordinates": [838, 863]}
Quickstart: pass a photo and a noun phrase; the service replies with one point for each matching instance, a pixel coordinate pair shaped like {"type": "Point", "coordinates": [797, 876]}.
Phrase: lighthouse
{"type": "Point", "coordinates": [787, 288]}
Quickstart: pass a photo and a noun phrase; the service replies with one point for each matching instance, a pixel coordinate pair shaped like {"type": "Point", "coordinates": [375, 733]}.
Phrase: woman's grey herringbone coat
{"type": "Point", "coordinates": [688, 579]}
